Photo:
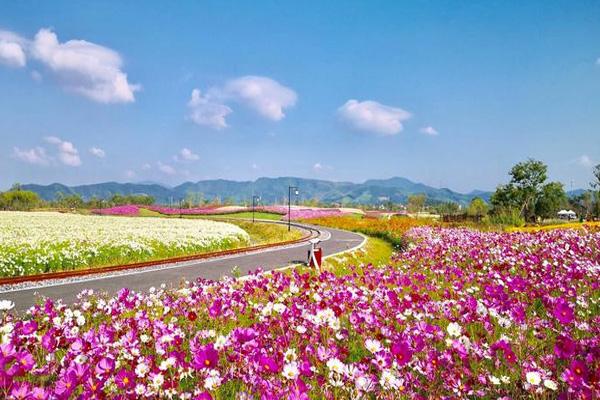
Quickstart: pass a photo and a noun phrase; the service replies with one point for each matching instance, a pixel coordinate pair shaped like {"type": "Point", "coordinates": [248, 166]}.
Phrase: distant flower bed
{"type": "Point", "coordinates": [38, 242]}
{"type": "Point", "coordinates": [459, 314]}
{"type": "Point", "coordinates": [392, 230]}
{"type": "Point", "coordinates": [129, 210]}
{"type": "Point", "coordinates": [314, 213]}
{"type": "Point", "coordinates": [191, 211]}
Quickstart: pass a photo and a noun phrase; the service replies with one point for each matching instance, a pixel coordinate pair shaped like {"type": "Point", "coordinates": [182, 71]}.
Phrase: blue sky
{"type": "Point", "coordinates": [446, 93]}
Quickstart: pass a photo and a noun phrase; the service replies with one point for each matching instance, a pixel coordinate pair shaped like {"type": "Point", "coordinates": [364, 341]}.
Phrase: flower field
{"type": "Point", "coordinates": [392, 229]}
{"type": "Point", "coordinates": [458, 314]}
{"type": "Point", "coordinates": [39, 242]}
{"type": "Point", "coordinates": [297, 213]}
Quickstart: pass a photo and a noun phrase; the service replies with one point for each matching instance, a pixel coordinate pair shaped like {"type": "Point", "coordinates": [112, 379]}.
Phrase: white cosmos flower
{"type": "Point", "coordinates": [533, 378]}
{"type": "Point", "coordinates": [454, 329]}
{"type": "Point", "coordinates": [290, 370]}
{"type": "Point", "coordinates": [373, 345]}
{"type": "Point", "coordinates": [550, 384]}
{"type": "Point", "coordinates": [6, 305]}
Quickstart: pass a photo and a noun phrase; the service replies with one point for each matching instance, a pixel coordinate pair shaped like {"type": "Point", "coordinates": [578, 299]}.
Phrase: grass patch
{"type": "Point", "coordinates": [261, 233]}
{"type": "Point", "coordinates": [248, 215]}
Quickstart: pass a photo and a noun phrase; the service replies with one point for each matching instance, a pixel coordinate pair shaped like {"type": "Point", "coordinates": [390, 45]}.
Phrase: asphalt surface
{"type": "Point", "coordinates": [334, 241]}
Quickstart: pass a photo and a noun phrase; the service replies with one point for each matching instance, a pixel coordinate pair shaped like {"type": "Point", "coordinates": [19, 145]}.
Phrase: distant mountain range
{"type": "Point", "coordinates": [271, 190]}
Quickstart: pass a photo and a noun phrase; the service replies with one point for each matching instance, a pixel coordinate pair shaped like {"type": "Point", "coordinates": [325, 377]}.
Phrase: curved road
{"type": "Point", "coordinates": [333, 241]}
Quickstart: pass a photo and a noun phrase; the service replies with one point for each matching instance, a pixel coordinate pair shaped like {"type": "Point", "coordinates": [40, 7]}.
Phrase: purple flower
{"type": "Point", "coordinates": [25, 360]}
{"type": "Point", "coordinates": [105, 366]}
{"type": "Point", "coordinates": [203, 396]}
{"type": "Point", "coordinates": [65, 386]}
{"type": "Point", "coordinates": [268, 364]}
{"type": "Point", "coordinates": [565, 347]}
{"type": "Point", "coordinates": [206, 357]}
{"type": "Point", "coordinates": [125, 379]}
{"type": "Point", "coordinates": [563, 312]}
{"type": "Point", "coordinates": [402, 352]}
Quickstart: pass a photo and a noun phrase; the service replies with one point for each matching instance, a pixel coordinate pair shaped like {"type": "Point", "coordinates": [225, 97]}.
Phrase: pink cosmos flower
{"type": "Point", "coordinates": [402, 352]}
{"type": "Point", "coordinates": [125, 379]}
{"type": "Point", "coordinates": [25, 360]}
{"type": "Point", "coordinates": [565, 347]}
{"type": "Point", "coordinates": [268, 364]}
{"type": "Point", "coordinates": [206, 357]}
{"type": "Point", "coordinates": [563, 312]}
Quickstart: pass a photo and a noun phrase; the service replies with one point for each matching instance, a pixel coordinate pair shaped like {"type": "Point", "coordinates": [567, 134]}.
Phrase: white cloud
{"type": "Point", "coordinates": [429, 130]}
{"type": "Point", "coordinates": [186, 154]}
{"type": "Point", "coordinates": [146, 167]}
{"type": "Point", "coordinates": [208, 112]}
{"type": "Point", "coordinates": [12, 49]}
{"type": "Point", "coordinates": [36, 155]}
{"type": "Point", "coordinates": [585, 161]}
{"type": "Point", "coordinates": [255, 166]}
{"type": "Point", "coordinates": [317, 166]}
{"type": "Point", "coordinates": [130, 173]}
{"type": "Point", "coordinates": [98, 152]}
{"type": "Point", "coordinates": [371, 116]}
{"type": "Point", "coordinates": [265, 95]}
{"type": "Point", "coordinates": [67, 153]}
{"type": "Point", "coordinates": [85, 68]}
{"type": "Point", "coordinates": [166, 168]}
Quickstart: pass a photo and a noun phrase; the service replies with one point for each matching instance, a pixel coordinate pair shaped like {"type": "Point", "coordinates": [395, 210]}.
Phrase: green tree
{"type": "Point", "coordinates": [523, 190]}
{"type": "Point", "coordinates": [19, 200]}
{"type": "Point", "coordinates": [552, 199]}
{"type": "Point", "coordinates": [477, 208]}
{"type": "Point", "coordinates": [416, 202]}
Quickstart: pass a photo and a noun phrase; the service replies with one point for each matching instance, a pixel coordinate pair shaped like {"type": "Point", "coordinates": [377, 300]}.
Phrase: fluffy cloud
{"type": "Point", "coordinates": [85, 68]}
{"type": "Point", "coordinates": [371, 116]}
{"type": "Point", "coordinates": [264, 95]}
{"type": "Point", "coordinates": [585, 161]}
{"type": "Point", "coordinates": [12, 52]}
{"type": "Point", "coordinates": [98, 152]}
{"type": "Point", "coordinates": [67, 153]}
{"type": "Point", "coordinates": [80, 66]}
{"type": "Point", "coordinates": [166, 168]}
{"type": "Point", "coordinates": [206, 111]}
{"type": "Point", "coordinates": [429, 130]}
{"type": "Point", "coordinates": [186, 154]}
{"type": "Point", "coordinates": [36, 155]}
{"type": "Point", "coordinates": [317, 166]}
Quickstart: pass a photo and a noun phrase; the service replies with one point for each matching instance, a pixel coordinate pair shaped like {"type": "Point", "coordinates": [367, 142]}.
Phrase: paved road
{"type": "Point", "coordinates": [334, 241]}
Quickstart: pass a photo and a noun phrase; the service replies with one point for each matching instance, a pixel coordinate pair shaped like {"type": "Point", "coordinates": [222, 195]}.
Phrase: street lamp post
{"type": "Point", "coordinates": [255, 200]}
{"type": "Point", "coordinates": [295, 189]}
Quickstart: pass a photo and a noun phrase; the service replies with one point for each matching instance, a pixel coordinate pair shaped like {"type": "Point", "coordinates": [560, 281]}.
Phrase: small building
{"type": "Point", "coordinates": [567, 214]}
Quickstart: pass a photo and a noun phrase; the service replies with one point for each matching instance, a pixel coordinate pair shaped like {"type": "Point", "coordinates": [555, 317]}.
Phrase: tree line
{"type": "Point", "coordinates": [16, 199]}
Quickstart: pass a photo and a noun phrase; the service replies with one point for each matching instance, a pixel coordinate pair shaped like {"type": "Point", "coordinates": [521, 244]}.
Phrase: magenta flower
{"type": "Point", "coordinates": [215, 309]}
{"type": "Point", "coordinates": [105, 366]}
{"type": "Point", "coordinates": [268, 364]}
{"type": "Point", "coordinates": [38, 393]}
{"type": "Point", "coordinates": [206, 357]}
{"type": "Point", "coordinates": [20, 391]}
{"type": "Point", "coordinates": [563, 312]}
{"type": "Point", "coordinates": [25, 360]}
{"type": "Point", "coordinates": [564, 347]}
{"type": "Point", "coordinates": [402, 352]}
{"type": "Point", "coordinates": [203, 396]}
{"type": "Point", "coordinates": [125, 379]}
{"type": "Point", "coordinates": [65, 386]}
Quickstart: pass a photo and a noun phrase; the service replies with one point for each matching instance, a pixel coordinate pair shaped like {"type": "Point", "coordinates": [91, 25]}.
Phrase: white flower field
{"type": "Point", "coordinates": [39, 242]}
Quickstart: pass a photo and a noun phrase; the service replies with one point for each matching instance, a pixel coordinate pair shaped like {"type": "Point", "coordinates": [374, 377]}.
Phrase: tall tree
{"type": "Point", "coordinates": [552, 199]}
{"type": "Point", "coordinates": [416, 202]}
{"type": "Point", "coordinates": [477, 208]}
{"type": "Point", "coordinates": [523, 190]}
